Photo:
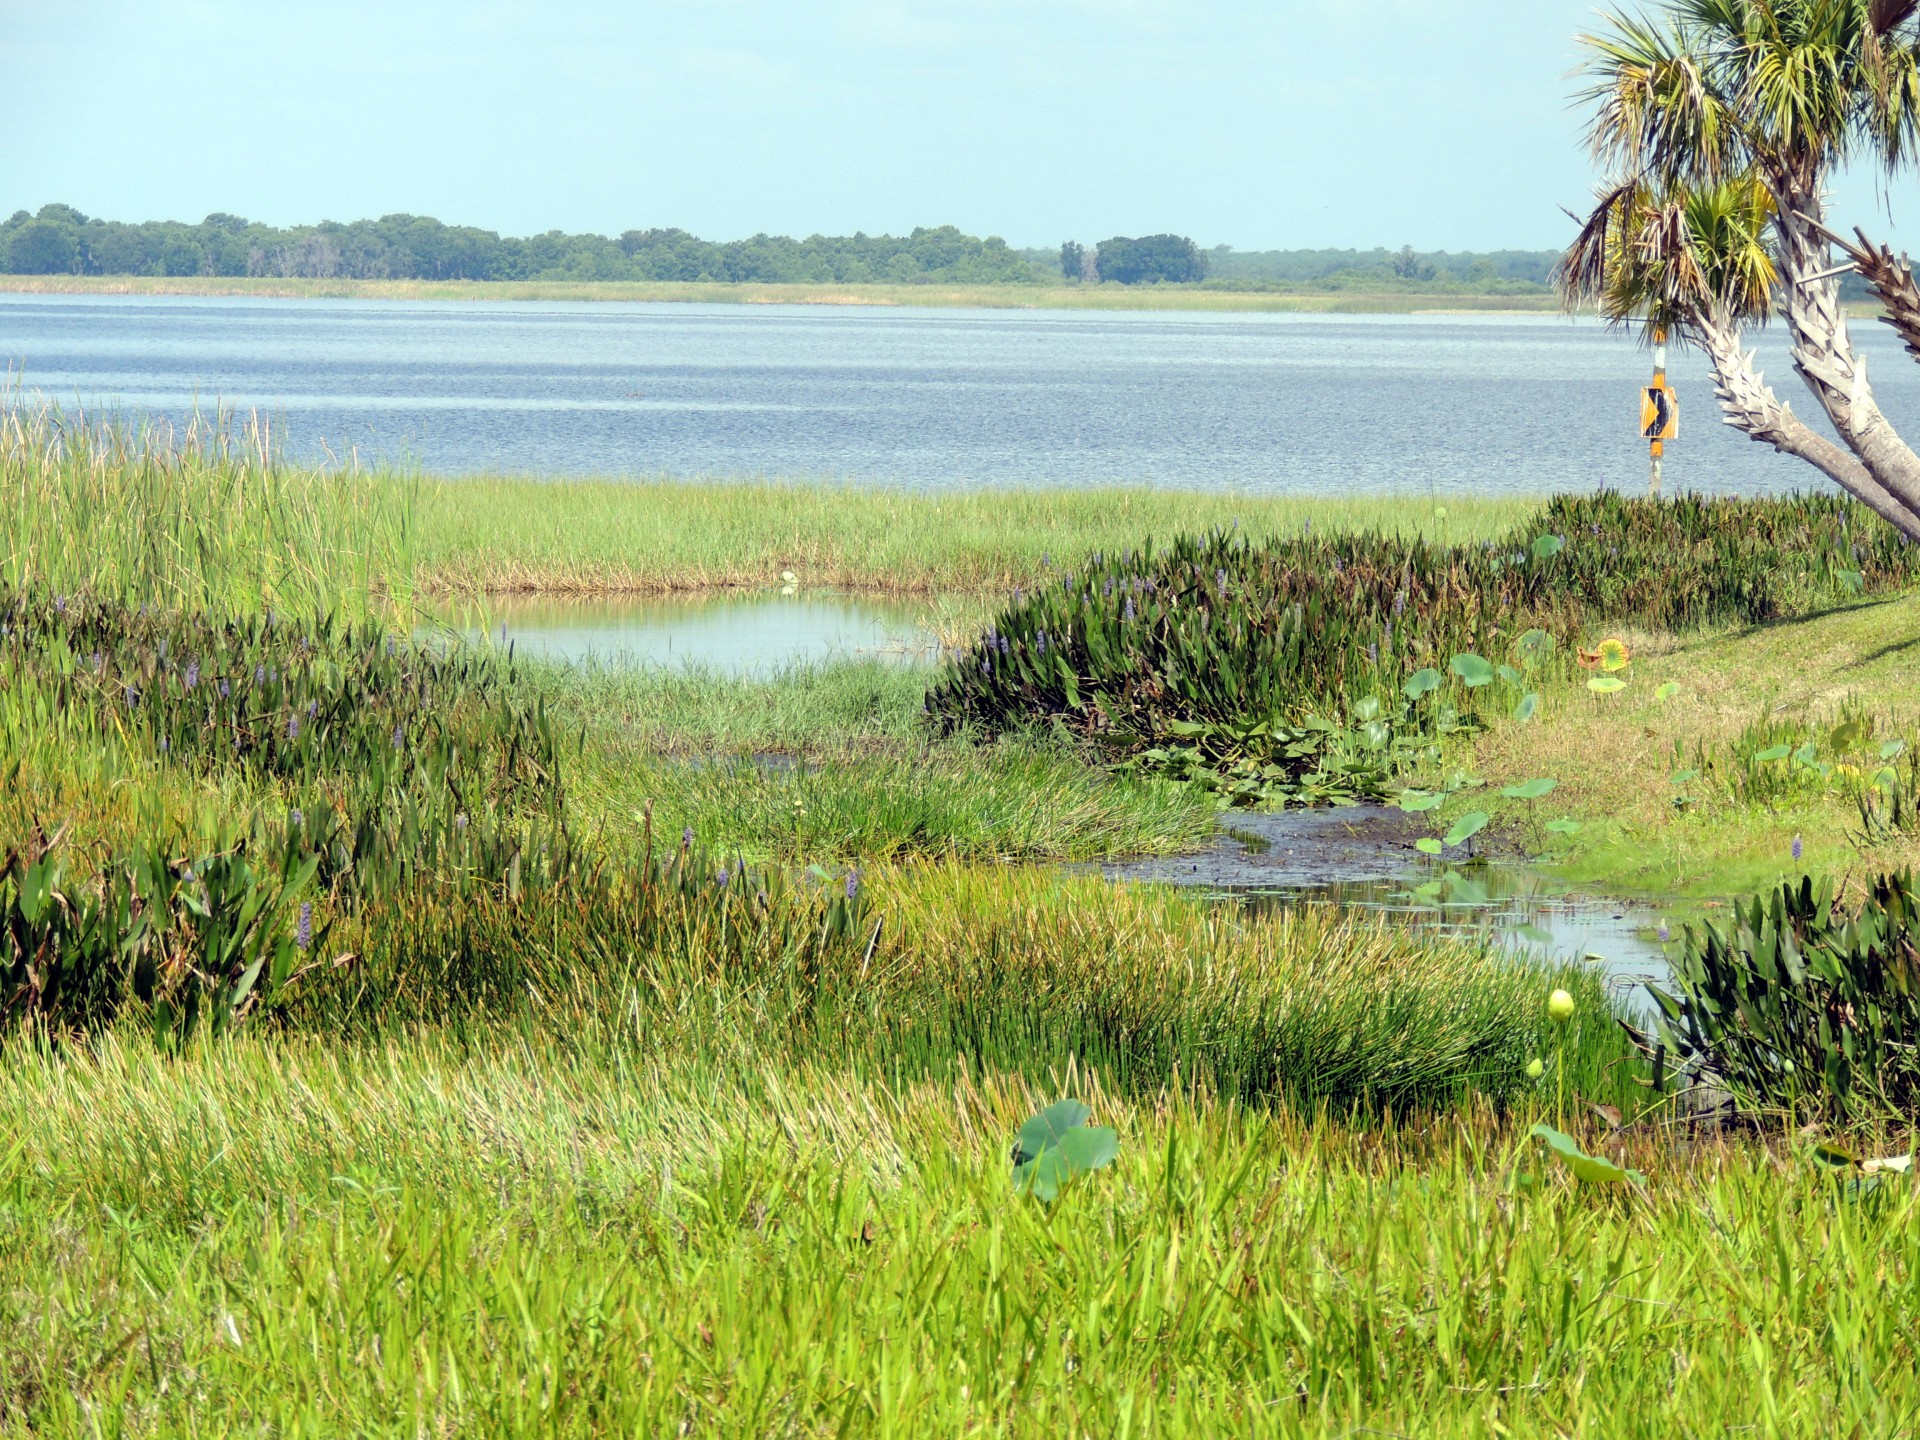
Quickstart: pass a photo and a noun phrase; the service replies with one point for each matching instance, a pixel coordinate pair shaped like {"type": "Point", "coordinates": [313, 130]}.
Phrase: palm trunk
{"type": "Point", "coordinates": [1749, 405]}
{"type": "Point", "coordinates": [1891, 280]}
{"type": "Point", "coordinates": [1823, 352]}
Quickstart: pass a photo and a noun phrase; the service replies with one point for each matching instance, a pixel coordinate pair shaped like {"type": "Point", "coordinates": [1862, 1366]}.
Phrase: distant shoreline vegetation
{"type": "Point", "coordinates": [59, 241]}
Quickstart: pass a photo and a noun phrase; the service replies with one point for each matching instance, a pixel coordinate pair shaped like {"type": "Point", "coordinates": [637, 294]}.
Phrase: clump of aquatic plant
{"type": "Point", "coordinates": [1799, 1005]}
{"type": "Point", "coordinates": [208, 941]}
{"type": "Point", "coordinates": [1251, 661]}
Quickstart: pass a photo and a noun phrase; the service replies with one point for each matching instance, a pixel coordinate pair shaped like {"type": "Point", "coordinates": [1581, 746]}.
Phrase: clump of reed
{"type": "Point", "coordinates": [209, 515]}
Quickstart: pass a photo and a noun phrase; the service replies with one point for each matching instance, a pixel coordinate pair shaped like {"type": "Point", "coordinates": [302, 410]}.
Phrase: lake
{"type": "Point", "coordinates": [923, 399]}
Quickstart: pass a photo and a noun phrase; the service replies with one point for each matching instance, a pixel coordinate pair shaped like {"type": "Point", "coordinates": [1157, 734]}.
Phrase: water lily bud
{"type": "Point", "coordinates": [1787, 1065]}
{"type": "Point", "coordinates": [1560, 1007]}
{"type": "Point", "coordinates": [1535, 1069]}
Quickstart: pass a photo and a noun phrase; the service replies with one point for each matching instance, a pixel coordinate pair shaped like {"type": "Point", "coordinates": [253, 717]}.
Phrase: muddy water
{"type": "Point", "coordinates": [745, 634]}
{"type": "Point", "coordinates": [1362, 858]}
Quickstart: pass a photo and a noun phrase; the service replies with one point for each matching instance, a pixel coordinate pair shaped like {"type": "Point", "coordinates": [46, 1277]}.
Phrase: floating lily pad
{"type": "Point", "coordinates": [1606, 684]}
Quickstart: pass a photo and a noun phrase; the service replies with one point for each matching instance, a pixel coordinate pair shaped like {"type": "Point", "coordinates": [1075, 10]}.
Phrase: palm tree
{"type": "Point", "coordinates": [1694, 260]}
{"type": "Point", "coordinates": [1782, 92]}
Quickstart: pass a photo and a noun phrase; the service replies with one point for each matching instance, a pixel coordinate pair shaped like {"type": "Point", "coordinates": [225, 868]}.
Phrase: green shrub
{"type": "Point", "coordinates": [1797, 1006]}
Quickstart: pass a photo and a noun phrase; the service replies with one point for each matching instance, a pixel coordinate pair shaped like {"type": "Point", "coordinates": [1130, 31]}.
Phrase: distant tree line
{"type": "Point", "coordinates": [59, 240]}
{"type": "Point", "coordinates": [1149, 260]}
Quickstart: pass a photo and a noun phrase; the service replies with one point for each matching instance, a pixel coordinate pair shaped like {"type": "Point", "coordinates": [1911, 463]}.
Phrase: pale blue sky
{"type": "Point", "coordinates": [1258, 123]}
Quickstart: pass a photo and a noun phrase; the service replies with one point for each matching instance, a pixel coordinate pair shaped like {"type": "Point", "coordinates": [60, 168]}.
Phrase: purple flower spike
{"type": "Point", "coordinates": [293, 727]}
{"type": "Point", "coordinates": [1666, 933]}
{"type": "Point", "coordinates": [193, 674]}
{"type": "Point", "coordinates": [853, 883]}
{"type": "Point", "coordinates": [1797, 848]}
{"type": "Point", "coordinates": [303, 932]}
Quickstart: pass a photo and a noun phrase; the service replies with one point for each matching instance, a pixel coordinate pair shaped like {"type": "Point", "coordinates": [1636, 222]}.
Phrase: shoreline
{"type": "Point", "coordinates": [949, 297]}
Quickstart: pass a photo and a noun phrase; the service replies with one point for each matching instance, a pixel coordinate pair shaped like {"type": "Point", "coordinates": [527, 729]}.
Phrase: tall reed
{"type": "Point", "coordinates": [207, 515]}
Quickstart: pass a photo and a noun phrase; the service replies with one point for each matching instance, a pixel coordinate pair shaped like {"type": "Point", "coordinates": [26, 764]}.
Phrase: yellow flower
{"type": "Point", "coordinates": [1535, 1069]}
{"type": "Point", "coordinates": [1560, 1007]}
{"type": "Point", "coordinates": [1614, 654]}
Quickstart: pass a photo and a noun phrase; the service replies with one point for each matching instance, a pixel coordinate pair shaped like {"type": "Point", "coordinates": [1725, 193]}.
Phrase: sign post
{"type": "Point", "coordinates": [1659, 410]}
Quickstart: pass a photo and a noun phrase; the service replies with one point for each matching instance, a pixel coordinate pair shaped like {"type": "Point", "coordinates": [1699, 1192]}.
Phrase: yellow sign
{"type": "Point", "coordinates": [1659, 413]}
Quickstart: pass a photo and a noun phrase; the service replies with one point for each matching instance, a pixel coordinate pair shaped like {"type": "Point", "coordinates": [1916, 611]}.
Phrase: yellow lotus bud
{"type": "Point", "coordinates": [1560, 1007]}
{"type": "Point", "coordinates": [1535, 1069]}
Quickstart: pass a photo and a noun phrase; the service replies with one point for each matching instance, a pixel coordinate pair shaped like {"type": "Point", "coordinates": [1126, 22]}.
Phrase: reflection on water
{"type": "Point", "coordinates": [752, 633]}
{"type": "Point", "coordinates": [1361, 858]}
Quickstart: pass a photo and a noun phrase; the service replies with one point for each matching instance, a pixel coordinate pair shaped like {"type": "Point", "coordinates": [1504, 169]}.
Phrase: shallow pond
{"type": "Point", "coordinates": [1361, 858]}
{"type": "Point", "coordinates": [750, 633]}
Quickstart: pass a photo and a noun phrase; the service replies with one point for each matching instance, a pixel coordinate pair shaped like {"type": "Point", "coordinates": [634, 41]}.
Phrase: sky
{"type": "Point", "coordinates": [1263, 124]}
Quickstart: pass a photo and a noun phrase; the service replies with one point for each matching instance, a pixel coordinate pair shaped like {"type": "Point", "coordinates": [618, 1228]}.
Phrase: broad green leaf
{"type": "Point", "coordinates": [1376, 733]}
{"type": "Point", "coordinates": [1590, 1169]}
{"type": "Point", "coordinates": [1534, 648]}
{"type": "Point", "coordinates": [1564, 827]}
{"type": "Point", "coordinates": [1524, 711]}
{"type": "Point", "coordinates": [1045, 1129]}
{"type": "Point", "coordinates": [1472, 669]}
{"type": "Point", "coordinates": [1606, 684]}
{"type": "Point", "coordinates": [1466, 827]}
{"type": "Point", "coordinates": [1531, 790]}
{"type": "Point", "coordinates": [1892, 748]}
{"type": "Point", "coordinates": [1427, 845]}
{"type": "Point", "coordinates": [1667, 691]}
{"type": "Point", "coordinates": [1507, 673]}
{"type": "Point", "coordinates": [1547, 546]}
{"type": "Point", "coordinates": [1806, 755]}
{"type": "Point", "coordinates": [1773, 753]}
{"type": "Point", "coordinates": [1422, 682]}
{"type": "Point", "coordinates": [1416, 801]}
{"type": "Point", "coordinates": [1367, 709]}
{"type": "Point", "coordinates": [1681, 777]}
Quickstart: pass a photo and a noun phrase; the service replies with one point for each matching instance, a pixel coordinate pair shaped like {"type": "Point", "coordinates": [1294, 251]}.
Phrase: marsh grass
{"type": "Point", "coordinates": [430, 1235]}
{"type": "Point", "coordinates": [593, 537]}
{"type": "Point", "coordinates": [207, 517]}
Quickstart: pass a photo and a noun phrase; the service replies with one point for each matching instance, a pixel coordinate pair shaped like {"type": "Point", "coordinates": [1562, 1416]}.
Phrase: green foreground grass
{"type": "Point", "coordinates": [997, 297]}
{"type": "Point", "coordinates": [520, 1238]}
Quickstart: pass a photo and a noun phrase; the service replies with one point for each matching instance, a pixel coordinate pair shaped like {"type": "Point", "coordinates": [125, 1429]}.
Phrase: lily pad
{"type": "Point", "coordinates": [1606, 684]}
{"type": "Point", "coordinates": [1588, 1169]}
{"type": "Point", "coordinates": [1667, 691]}
{"type": "Point", "coordinates": [1773, 753]}
{"type": "Point", "coordinates": [1466, 827]}
{"type": "Point", "coordinates": [1427, 845]}
{"type": "Point", "coordinates": [1524, 711]}
{"type": "Point", "coordinates": [1532, 789]}
{"type": "Point", "coordinates": [1564, 827]}
{"type": "Point", "coordinates": [1416, 801]}
{"type": "Point", "coordinates": [1473, 670]}
{"type": "Point", "coordinates": [1422, 682]}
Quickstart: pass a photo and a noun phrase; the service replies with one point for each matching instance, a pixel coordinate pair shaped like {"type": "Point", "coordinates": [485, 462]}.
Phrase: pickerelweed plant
{"type": "Point", "coordinates": [1315, 667]}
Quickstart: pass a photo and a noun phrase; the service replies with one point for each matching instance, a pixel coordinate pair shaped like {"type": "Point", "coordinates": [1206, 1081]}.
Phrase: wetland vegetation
{"type": "Point", "coordinates": [438, 1038]}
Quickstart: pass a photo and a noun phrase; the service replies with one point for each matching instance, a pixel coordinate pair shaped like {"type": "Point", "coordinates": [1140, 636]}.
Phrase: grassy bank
{"type": "Point", "coordinates": [970, 297]}
{"type": "Point", "coordinates": [605, 536]}
{"type": "Point", "coordinates": [519, 1239]}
